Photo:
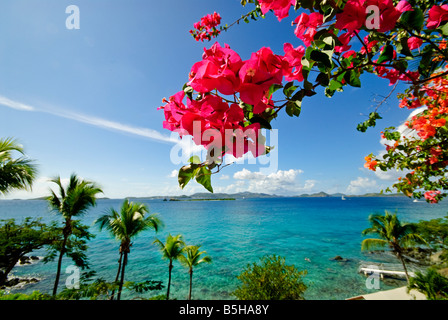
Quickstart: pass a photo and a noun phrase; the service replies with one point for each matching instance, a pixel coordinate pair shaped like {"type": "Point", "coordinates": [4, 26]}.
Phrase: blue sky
{"type": "Point", "coordinates": [86, 100]}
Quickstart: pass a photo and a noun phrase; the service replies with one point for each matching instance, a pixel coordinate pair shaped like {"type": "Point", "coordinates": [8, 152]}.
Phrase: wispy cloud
{"type": "Point", "coordinates": [91, 120]}
{"type": "Point", "coordinates": [14, 104]}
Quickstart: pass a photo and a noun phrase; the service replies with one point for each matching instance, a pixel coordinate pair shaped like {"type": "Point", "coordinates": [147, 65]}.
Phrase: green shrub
{"type": "Point", "coordinates": [272, 279]}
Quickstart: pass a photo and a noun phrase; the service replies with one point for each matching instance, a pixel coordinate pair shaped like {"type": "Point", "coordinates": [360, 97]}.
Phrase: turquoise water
{"type": "Point", "coordinates": [308, 232]}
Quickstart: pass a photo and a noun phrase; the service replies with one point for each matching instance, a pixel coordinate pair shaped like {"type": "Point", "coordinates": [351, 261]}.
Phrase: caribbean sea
{"type": "Point", "coordinates": [308, 232]}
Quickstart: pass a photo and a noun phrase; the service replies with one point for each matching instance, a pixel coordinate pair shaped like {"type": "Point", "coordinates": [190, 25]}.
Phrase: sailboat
{"type": "Point", "coordinates": [342, 198]}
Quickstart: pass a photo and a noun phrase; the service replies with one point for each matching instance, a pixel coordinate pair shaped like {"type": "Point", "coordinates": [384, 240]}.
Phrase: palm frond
{"type": "Point", "coordinates": [373, 244]}
{"type": "Point", "coordinates": [16, 173]}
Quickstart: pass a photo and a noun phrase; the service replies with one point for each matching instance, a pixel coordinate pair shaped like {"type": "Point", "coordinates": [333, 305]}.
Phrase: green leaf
{"type": "Point", "coordinates": [274, 88]}
{"type": "Point", "coordinates": [403, 48]}
{"type": "Point", "coordinates": [323, 79]}
{"type": "Point", "coordinates": [203, 177]}
{"type": "Point", "coordinates": [195, 160]}
{"type": "Point", "coordinates": [352, 78]}
{"type": "Point", "coordinates": [298, 95]}
{"type": "Point", "coordinates": [329, 93]}
{"type": "Point", "coordinates": [188, 91]}
{"type": "Point", "coordinates": [387, 54]}
{"type": "Point", "coordinates": [334, 84]}
{"type": "Point", "coordinates": [413, 19]}
{"type": "Point", "coordinates": [444, 29]}
{"type": "Point", "coordinates": [289, 89]}
{"type": "Point", "coordinates": [306, 4]}
{"type": "Point", "coordinates": [294, 108]}
{"type": "Point", "coordinates": [262, 121]}
{"type": "Point", "coordinates": [321, 57]}
{"type": "Point", "coordinates": [186, 173]}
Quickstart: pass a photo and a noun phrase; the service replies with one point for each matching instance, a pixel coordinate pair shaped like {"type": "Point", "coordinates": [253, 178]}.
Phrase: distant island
{"type": "Point", "coordinates": [204, 196]}
{"type": "Point", "coordinates": [217, 199]}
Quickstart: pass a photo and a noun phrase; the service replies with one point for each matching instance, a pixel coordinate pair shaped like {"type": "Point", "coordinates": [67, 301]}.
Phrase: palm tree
{"type": "Point", "coordinates": [191, 259]}
{"type": "Point", "coordinates": [72, 201]}
{"type": "Point", "coordinates": [392, 233]}
{"type": "Point", "coordinates": [125, 226]}
{"type": "Point", "coordinates": [15, 173]}
{"type": "Point", "coordinates": [431, 283]}
{"type": "Point", "coordinates": [171, 250]}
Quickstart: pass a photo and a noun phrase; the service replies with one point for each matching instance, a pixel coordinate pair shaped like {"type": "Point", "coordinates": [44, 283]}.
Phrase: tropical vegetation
{"type": "Point", "coordinates": [171, 250]}
{"type": "Point", "coordinates": [19, 239]}
{"type": "Point", "coordinates": [271, 279]}
{"type": "Point", "coordinates": [391, 233]}
{"type": "Point", "coordinates": [15, 173]}
{"type": "Point", "coordinates": [124, 226]}
{"type": "Point", "coordinates": [191, 258]}
{"type": "Point", "coordinates": [73, 201]}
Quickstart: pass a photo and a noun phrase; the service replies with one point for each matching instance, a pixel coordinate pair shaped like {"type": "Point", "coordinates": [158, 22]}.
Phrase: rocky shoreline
{"type": "Point", "coordinates": [18, 282]}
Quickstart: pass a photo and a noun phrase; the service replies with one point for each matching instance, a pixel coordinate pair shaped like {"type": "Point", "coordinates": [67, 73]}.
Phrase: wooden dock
{"type": "Point", "coordinates": [381, 271]}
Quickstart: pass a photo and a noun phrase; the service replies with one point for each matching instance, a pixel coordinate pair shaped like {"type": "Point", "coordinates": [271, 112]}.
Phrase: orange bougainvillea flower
{"type": "Point", "coordinates": [371, 165]}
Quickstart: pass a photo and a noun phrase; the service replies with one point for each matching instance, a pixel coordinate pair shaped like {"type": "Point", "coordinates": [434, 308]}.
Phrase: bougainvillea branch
{"type": "Point", "coordinates": [231, 98]}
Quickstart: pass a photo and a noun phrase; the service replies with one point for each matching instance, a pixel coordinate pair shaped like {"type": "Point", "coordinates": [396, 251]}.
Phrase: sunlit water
{"type": "Point", "coordinates": [308, 232]}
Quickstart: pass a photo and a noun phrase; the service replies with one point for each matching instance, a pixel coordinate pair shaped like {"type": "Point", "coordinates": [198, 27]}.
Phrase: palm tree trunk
{"type": "Point", "coordinates": [191, 284]}
{"type": "Point", "coordinates": [404, 266]}
{"type": "Point", "coordinates": [169, 280]}
{"type": "Point", "coordinates": [58, 272]}
{"type": "Point", "coordinates": [125, 260]}
{"type": "Point", "coordinates": [117, 276]}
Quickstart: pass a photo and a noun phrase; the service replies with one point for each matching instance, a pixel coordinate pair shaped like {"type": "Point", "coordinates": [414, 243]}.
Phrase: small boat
{"type": "Point", "coordinates": [343, 198]}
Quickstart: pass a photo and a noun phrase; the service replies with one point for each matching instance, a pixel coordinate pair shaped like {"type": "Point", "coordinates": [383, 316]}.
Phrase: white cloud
{"type": "Point", "coordinates": [91, 120]}
{"type": "Point", "coordinates": [224, 177]}
{"type": "Point", "coordinates": [362, 185]}
{"type": "Point", "coordinates": [248, 175]}
{"type": "Point", "coordinates": [389, 175]}
{"type": "Point", "coordinates": [280, 182]}
{"type": "Point", "coordinates": [14, 104]}
{"type": "Point", "coordinates": [173, 174]}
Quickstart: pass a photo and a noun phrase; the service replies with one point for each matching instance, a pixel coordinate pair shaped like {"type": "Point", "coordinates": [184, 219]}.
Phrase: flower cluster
{"type": "Point", "coordinates": [355, 14]}
{"type": "Point", "coordinates": [280, 7]}
{"type": "Point", "coordinates": [226, 99]}
{"type": "Point", "coordinates": [427, 122]}
{"type": "Point", "coordinates": [437, 15]}
{"type": "Point", "coordinates": [206, 28]}
{"type": "Point", "coordinates": [222, 75]}
{"type": "Point", "coordinates": [424, 147]}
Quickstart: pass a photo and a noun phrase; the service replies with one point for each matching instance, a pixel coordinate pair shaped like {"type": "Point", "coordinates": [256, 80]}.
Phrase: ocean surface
{"type": "Point", "coordinates": [308, 232]}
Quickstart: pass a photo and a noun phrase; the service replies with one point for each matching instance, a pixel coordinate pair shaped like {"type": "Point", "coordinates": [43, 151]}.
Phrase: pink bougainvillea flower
{"type": "Point", "coordinates": [280, 7]}
{"type": "Point", "coordinates": [437, 15]}
{"type": "Point", "coordinates": [345, 40]}
{"type": "Point", "coordinates": [403, 6]}
{"type": "Point", "coordinates": [388, 14]}
{"type": "Point", "coordinates": [353, 17]}
{"type": "Point", "coordinates": [307, 26]}
{"type": "Point", "coordinates": [431, 196]}
{"type": "Point", "coordinates": [205, 29]}
{"type": "Point", "coordinates": [257, 74]}
{"type": "Point", "coordinates": [292, 68]}
{"type": "Point", "coordinates": [235, 114]}
{"type": "Point", "coordinates": [217, 70]}
{"type": "Point", "coordinates": [414, 43]}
